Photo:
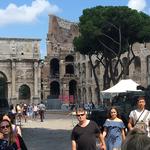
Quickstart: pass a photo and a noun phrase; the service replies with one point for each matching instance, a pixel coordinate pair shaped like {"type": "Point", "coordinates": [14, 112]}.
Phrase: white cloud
{"type": "Point", "coordinates": [137, 4]}
{"type": "Point", "coordinates": [24, 13]}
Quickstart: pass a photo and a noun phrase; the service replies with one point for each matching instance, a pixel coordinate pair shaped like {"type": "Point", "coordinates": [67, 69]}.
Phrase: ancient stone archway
{"type": "Point", "coordinates": [54, 67]}
{"type": "Point", "coordinates": [54, 89]}
{"type": "Point", "coordinates": [69, 58]}
{"type": "Point", "coordinates": [72, 91]}
{"type": "Point", "coordinates": [137, 64]}
{"type": "Point", "coordinates": [3, 86]}
{"type": "Point", "coordinates": [69, 69]}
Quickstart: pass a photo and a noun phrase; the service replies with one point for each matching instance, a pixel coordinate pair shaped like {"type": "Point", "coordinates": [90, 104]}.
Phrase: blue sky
{"type": "Point", "coordinates": [29, 18]}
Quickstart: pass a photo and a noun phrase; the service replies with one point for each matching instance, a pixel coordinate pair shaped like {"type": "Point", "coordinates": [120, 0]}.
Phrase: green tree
{"type": "Point", "coordinates": [108, 32]}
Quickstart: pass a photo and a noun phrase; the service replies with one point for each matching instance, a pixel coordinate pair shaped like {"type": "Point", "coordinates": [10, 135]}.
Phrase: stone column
{"type": "Point", "coordinates": [39, 81]}
{"type": "Point", "coordinates": [35, 93]}
{"type": "Point", "coordinates": [13, 92]}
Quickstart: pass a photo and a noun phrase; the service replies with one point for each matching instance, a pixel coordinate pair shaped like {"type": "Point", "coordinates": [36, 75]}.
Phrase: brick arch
{"type": "Point", "coordinates": [54, 89]}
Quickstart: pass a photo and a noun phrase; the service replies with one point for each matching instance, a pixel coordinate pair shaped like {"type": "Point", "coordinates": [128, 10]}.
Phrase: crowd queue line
{"type": "Point", "coordinates": [26, 112]}
{"type": "Point", "coordinates": [10, 124]}
{"type": "Point", "coordinates": [86, 132]}
{"type": "Point", "coordinates": [113, 136]}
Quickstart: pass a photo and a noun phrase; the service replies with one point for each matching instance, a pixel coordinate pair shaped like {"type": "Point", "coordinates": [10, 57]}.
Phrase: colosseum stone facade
{"type": "Point", "coordinates": [68, 76]}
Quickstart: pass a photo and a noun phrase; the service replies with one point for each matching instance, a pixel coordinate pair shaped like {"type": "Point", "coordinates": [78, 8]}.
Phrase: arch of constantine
{"type": "Point", "coordinates": [20, 70]}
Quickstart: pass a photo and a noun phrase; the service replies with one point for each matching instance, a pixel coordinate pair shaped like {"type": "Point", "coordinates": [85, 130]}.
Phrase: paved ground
{"type": "Point", "coordinates": [52, 134]}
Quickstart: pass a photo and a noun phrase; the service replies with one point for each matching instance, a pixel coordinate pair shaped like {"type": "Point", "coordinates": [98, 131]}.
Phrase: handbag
{"type": "Point", "coordinates": [141, 124]}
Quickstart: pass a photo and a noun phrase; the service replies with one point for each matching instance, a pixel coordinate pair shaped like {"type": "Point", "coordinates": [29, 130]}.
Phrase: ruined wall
{"type": "Point", "coordinates": [59, 45]}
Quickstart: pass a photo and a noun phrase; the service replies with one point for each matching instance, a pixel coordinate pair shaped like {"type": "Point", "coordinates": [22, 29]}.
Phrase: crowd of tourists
{"type": "Point", "coordinates": [10, 124]}
{"type": "Point", "coordinates": [114, 135]}
{"type": "Point", "coordinates": [26, 112]}
{"type": "Point", "coordinates": [86, 133]}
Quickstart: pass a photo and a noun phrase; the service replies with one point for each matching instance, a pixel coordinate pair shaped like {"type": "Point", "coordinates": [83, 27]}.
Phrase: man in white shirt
{"type": "Point", "coordinates": [140, 117]}
{"type": "Point", "coordinates": [42, 109]}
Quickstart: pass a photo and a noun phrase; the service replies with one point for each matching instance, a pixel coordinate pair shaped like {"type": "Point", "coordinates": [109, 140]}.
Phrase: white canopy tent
{"type": "Point", "coordinates": [122, 86]}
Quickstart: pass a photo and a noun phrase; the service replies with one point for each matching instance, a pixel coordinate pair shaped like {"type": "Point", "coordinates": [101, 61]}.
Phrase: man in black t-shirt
{"type": "Point", "coordinates": [84, 134]}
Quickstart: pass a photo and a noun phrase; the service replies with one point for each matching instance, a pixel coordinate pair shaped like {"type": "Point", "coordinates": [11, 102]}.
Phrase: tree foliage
{"type": "Point", "coordinates": [100, 25]}
{"type": "Point", "coordinates": [108, 32]}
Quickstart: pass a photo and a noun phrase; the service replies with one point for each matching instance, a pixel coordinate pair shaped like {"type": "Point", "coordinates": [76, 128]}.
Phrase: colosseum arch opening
{"type": "Point", "coordinates": [137, 64]}
{"type": "Point", "coordinates": [69, 58]}
{"type": "Point", "coordinates": [73, 91]}
{"type": "Point", "coordinates": [69, 69]}
{"type": "Point", "coordinates": [54, 89]}
{"type": "Point", "coordinates": [148, 64]}
{"type": "Point", "coordinates": [54, 67]}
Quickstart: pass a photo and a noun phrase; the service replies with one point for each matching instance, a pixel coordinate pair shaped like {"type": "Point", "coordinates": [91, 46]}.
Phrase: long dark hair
{"type": "Point", "coordinates": [11, 134]}
{"type": "Point", "coordinates": [109, 112]}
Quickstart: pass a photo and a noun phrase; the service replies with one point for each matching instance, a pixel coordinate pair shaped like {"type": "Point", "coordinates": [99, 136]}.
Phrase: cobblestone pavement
{"type": "Point", "coordinates": [52, 134]}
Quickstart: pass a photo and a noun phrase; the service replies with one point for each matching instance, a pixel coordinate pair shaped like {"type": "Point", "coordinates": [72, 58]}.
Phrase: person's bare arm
{"type": "Point", "coordinates": [123, 134]}
{"type": "Point", "coordinates": [19, 130]}
{"type": "Point", "coordinates": [105, 132]}
{"type": "Point", "coordinates": [74, 145]}
{"type": "Point", "coordinates": [102, 142]}
{"type": "Point", "coordinates": [130, 123]}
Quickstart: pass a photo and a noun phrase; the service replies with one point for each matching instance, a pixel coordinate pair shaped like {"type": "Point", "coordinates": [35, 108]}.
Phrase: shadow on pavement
{"type": "Point", "coordinates": [47, 139]}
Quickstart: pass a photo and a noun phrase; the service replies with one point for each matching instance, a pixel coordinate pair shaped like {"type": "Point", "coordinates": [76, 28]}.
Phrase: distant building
{"type": "Point", "coordinates": [139, 69]}
{"type": "Point", "coordinates": [68, 76]}
{"type": "Point", "coordinates": [59, 79]}
{"type": "Point", "coordinates": [19, 70]}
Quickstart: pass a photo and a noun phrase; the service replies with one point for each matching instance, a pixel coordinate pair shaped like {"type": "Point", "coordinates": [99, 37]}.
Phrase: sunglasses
{"type": "Point", "coordinates": [80, 115]}
{"type": "Point", "coordinates": [3, 127]}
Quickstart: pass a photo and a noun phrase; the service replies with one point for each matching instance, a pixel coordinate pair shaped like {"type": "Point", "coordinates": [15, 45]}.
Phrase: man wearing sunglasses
{"type": "Point", "coordinates": [84, 134]}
